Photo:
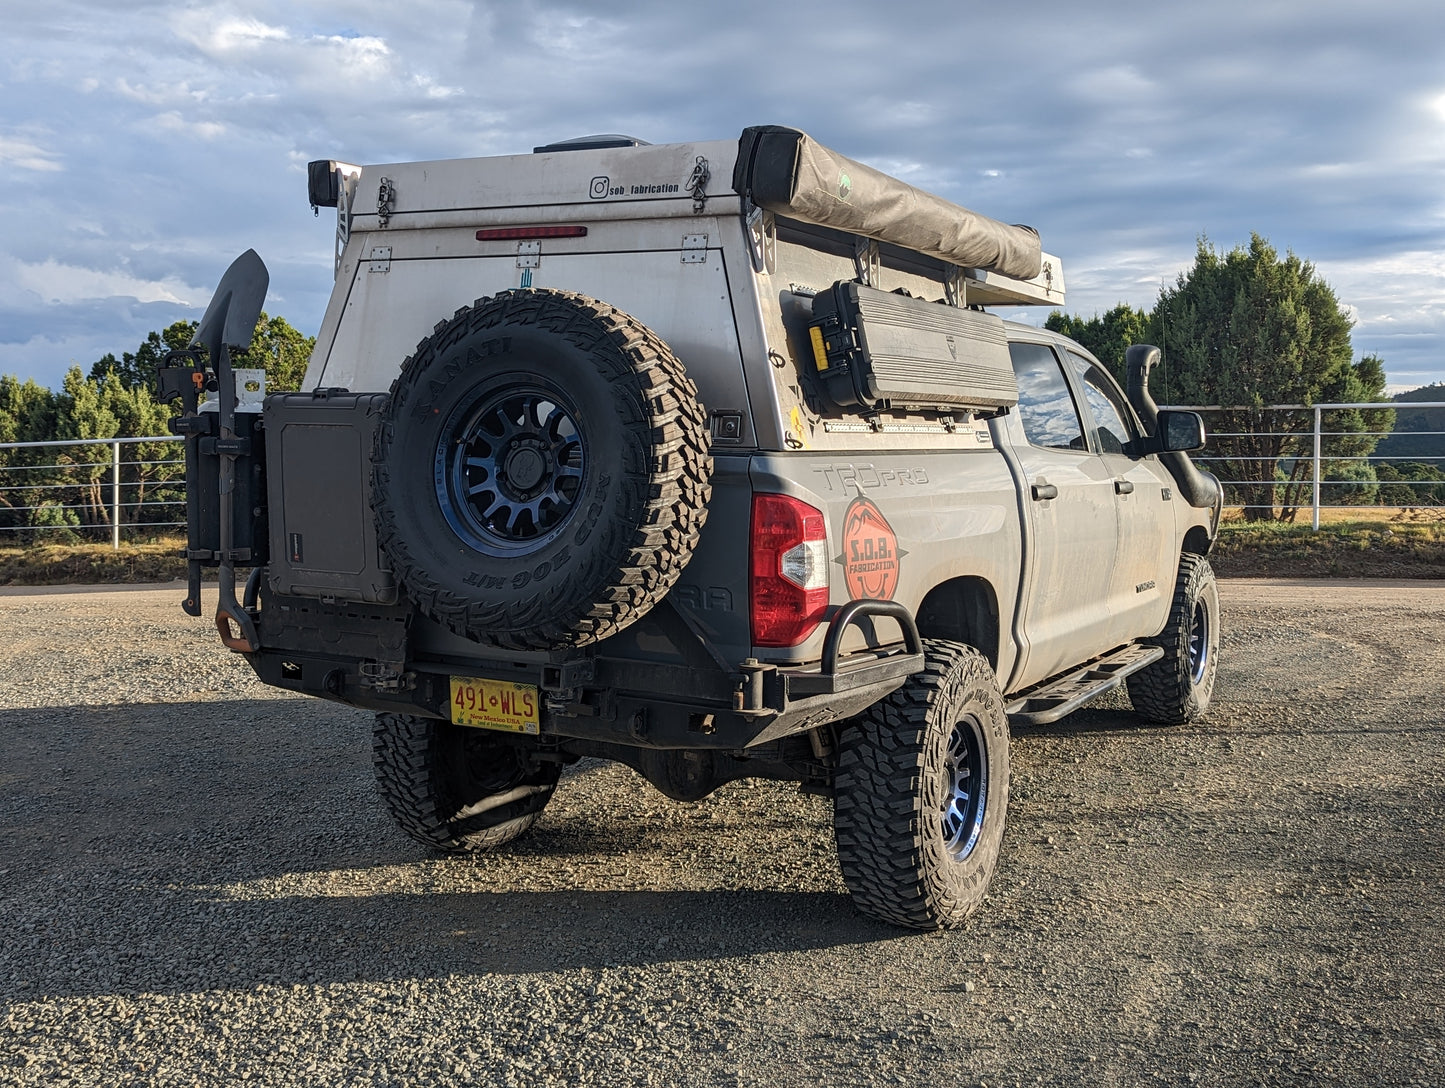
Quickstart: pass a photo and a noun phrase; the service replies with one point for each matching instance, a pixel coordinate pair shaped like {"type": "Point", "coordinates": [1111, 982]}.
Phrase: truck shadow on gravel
{"type": "Point", "coordinates": [151, 941]}
{"type": "Point", "coordinates": [184, 847]}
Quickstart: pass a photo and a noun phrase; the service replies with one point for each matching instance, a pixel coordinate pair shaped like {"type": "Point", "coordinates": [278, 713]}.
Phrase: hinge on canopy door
{"type": "Point", "coordinates": [694, 249]}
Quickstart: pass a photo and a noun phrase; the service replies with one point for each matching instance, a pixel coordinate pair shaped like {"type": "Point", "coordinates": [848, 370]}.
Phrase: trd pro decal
{"type": "Point", "coordinates": [870, 552]}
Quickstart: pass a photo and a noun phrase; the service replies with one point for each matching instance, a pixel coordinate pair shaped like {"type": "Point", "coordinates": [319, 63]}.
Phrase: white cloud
{"type": "Point", "coordinates": [1335, 170]}
{"type": "Point", "coordinates": [1121, 274]}
{"type": "Point", "coordinates": [159, 94]}
{"type": "Point", "coordinates": [365, 52]}
{"type": "Point", "coordinates": [22, 153]}
{"type": "Point", "coordinates": [432, 89]}
{"type": "Point", "coordinates": [1119, 83]}
{"type": "Point", "coordinates": [55, 282]}
{"type": "Point", "coordinates": [221, 35]}
{"type": "Point", "coordinates": [901, 113]}
{"type": "Point", "coordinates": [573, 35]}
{"type": "Point", "coordinates": [206, 130]}
{"type": "Point", "coordinates": [1394, 284]}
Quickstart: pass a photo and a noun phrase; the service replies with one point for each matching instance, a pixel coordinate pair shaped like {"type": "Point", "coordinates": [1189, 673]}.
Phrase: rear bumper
{"type": "Point", "coordinates": [624, 701]}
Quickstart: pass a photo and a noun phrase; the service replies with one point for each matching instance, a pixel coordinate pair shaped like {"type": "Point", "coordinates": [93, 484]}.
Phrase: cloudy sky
{"type": "Point", "coordinates": [143, 145]}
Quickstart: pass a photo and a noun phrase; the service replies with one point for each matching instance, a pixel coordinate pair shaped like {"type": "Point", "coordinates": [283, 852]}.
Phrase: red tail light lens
{"type": "Point", "coordinates": [789, 575]}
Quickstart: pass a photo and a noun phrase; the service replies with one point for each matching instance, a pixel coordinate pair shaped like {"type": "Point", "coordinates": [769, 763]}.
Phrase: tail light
{"type": "Point", "coordinates": [789, 577]}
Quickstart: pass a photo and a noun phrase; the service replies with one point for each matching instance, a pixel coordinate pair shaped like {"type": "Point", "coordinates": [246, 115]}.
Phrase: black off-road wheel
{"type": "Point", "coordinates": [542, 471]}
{"type": "Point", "coordinates": [922, 793]}
{"type": "Point", "coordinates": [1178, 687]}
{"type": "Point", "coordinates": [455, 788]}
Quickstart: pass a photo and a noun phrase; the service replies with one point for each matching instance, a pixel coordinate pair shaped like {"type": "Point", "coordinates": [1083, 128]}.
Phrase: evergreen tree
{"type": "Point", "coordinates": [277, 347]}
{"type": "Point", "coordinates": [1247, 328]}
{"type": "Point", "coordinates": [27, 414]}
{"type": "Point", "coordinates": [1109, 336]}
{"type": "Point", "coordinates": [138, 367]}
{"type": "Point", "coordinates": [42, 490]}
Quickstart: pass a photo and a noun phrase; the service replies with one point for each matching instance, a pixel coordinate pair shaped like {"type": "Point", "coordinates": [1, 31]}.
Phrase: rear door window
{"type": "Point", "coordinates": [1046, 407]}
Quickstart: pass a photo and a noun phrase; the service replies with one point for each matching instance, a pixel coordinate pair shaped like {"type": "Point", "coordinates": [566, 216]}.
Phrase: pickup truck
{"type": "Point", "coordinates": [710, 459]}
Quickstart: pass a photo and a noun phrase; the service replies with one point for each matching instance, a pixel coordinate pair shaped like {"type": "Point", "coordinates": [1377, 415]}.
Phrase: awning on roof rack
{"type": "Point", "coordinates": [788, 172]}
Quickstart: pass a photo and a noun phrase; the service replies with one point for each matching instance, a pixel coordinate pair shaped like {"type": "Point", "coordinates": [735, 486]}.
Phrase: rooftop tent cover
{"type": "Point", "coordinates": [788, 172]}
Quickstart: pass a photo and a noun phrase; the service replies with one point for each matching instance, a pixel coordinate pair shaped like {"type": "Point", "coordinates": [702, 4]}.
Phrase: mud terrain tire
{"type": "Point", "coordinates": [542, 471]}
{"type": "Point", "coordinates": [454, 788]}
{"type": "Point", "coordinates": [922, 793]}
{"type": "Point", "coordinates": [1177, 688]}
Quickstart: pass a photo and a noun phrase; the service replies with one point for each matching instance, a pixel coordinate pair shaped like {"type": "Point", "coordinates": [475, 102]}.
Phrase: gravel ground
{"type": "Point", "coordinates": [198, 887]}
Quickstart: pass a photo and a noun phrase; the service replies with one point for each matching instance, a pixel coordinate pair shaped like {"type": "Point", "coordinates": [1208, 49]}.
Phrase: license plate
{"type": "Point", "coordinates": [495, 704]}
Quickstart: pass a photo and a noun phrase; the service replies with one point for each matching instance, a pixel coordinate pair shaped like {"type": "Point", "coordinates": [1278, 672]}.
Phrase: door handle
{"type": "Point", "coordinates": [1123, 487]}
{"type": "Point", "coordinates": [1045, 491]}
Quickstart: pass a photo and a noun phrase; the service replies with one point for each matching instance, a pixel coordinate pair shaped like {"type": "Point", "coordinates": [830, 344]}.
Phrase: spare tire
{"type": "Point", "coordinates": [541, 472]}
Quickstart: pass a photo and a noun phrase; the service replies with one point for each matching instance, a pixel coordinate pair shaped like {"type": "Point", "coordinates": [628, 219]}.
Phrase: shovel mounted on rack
{"type": "Point", "coordinates": [224, 468]}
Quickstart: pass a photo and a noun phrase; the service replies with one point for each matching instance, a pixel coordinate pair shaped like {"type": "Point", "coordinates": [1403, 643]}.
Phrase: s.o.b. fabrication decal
{"type": "Point", "coordinates": [870, 552]}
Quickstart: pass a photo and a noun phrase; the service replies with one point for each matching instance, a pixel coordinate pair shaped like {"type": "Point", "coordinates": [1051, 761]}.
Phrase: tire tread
{"type": "Point", "coordinates": [618, 580]}
{"type": "Point", "coordinates": [881, 819]}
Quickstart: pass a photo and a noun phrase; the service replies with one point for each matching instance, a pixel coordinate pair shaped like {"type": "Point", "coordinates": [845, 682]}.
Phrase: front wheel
{"type": "Point", "coordinates": [922, 793]}
{"type": "Point", "coordinates": [456, 788]}
{"type": "Point", "coordinates": [1178, 687]}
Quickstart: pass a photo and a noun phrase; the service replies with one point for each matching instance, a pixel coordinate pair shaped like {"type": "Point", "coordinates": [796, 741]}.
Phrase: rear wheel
{"type": "Point", "coordinates": [922, 793]}
{"type": "Point", "coordinates": [1178, 687]}
{"type": "Point", "coordinates": [456, 788]}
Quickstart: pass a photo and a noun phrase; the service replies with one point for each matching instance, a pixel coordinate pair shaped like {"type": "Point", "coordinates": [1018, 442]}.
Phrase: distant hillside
{"type": "Point", "coordinates": [1404, 442]}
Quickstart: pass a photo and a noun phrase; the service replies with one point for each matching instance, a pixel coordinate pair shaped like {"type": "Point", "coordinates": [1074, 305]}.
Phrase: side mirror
{"type": "Point", "coordinates": [1179, 432]}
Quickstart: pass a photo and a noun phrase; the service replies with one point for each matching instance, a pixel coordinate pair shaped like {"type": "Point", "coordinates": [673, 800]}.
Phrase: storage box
{"type": "Point", "coordinates": [873, 350]}
{"type": "Point", "coordinates": [323, 534]}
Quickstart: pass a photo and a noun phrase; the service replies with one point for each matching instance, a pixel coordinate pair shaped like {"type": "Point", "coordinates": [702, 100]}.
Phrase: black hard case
{"type": "Point", "coordinates": [323, 534]}
{"type": "Point", "coordinates": [890, 349]}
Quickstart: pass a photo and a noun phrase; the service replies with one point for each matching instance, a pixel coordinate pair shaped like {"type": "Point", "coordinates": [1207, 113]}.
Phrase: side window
{"type": "Point", "coordinates": [1045, 405]}
{"type": "Point", "coordinates": [1110, 412]}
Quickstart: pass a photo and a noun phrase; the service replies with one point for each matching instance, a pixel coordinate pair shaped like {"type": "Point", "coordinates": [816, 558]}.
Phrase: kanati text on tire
{"type": "Point", "coordinates": [542, 472]}
{"type": "Point", "coordinates": [922, 793]}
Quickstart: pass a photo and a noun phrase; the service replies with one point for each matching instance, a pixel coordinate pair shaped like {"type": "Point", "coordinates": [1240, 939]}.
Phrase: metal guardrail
{"type": "Point", "coordinates": [111, 514]}
{"type": "Point", "coordinates": [19, 481]}
{"type": "Point", "coordinates": [1314, 455]}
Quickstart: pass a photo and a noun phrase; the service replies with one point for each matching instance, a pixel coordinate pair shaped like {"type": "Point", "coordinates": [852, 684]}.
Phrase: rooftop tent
{"type": "Point", "coordinates": [789, 173]}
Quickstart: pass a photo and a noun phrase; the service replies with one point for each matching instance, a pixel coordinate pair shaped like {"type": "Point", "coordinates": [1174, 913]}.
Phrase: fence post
{"type": "Point", "coordinates": [1317, 469]}
{"type": "Point", "coordinates": [115, 495]}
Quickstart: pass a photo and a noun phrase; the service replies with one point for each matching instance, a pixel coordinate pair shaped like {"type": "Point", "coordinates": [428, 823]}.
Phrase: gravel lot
{"type": "Point", "coordinates": [198, 887]}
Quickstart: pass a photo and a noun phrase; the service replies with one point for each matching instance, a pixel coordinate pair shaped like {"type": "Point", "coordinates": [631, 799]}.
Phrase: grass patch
{"type": "Point", "coordinates": [92, 564]}
{"type": "Point", "coordinates": [1342, 549]}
